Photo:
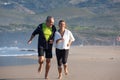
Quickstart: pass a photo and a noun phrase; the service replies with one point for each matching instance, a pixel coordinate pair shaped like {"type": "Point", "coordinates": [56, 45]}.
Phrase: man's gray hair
{"type": "Point", "coordinates": [48, 18]}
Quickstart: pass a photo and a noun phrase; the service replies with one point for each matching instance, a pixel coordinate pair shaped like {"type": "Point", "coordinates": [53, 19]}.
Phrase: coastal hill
{"type": "Point", "coordinates": [77, 12]}
{"type": "Point", "coordinates": [91, 21]}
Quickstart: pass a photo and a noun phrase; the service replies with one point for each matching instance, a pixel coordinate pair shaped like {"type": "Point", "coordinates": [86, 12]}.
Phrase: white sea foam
{"type": "Point", "coordinates": [15, 51]}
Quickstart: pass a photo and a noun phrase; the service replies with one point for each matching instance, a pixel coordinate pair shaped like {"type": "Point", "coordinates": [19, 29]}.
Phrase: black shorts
{"type": "Point", "coordinates": [62, 56]}
{"type": "Point", "coordinates": [47, 52]}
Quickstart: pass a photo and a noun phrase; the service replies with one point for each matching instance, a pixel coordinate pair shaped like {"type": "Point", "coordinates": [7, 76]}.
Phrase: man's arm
{"type": "Point", "coordinates": [30, 40]}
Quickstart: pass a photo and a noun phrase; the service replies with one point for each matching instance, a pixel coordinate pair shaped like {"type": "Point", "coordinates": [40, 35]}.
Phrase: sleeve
{"type": "Point", "coordinates": [54, 30]}
{"type": "Point", "coordinates": [71, 37]}
{"type": "Point", "coordinates": [56, 36]}
{"type": "Point", "coordinates": [37, 30]}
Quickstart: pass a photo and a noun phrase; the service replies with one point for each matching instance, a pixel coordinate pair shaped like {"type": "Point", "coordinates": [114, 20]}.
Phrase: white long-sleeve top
{"type": "Point", "coordinates": [68, 36]}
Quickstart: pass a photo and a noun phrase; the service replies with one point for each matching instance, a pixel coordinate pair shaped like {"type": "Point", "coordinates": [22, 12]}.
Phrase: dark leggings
{"type": "Point", "coordinates": [62, 56]}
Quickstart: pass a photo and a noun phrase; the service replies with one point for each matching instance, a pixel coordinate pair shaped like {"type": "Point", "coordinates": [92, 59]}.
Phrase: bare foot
{"type": "Point", "coordinates": [60, 77]}
{"type": "Point", "coordinates": [46, 77]}
{"type": "Point", "coordinates": [66, 72]}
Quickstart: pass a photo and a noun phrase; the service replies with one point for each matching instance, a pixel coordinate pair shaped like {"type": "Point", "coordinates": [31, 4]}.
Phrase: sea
{"type": "Point", "coordinates": [15, 44]}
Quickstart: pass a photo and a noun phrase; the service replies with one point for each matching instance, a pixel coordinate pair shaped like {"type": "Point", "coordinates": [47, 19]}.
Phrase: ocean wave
{"type": "Point", "coordinates": [19, 55]}
{"type": "Point", "coordinates": [16, 51]}
{"type": "Point", "coordinates": [9, 48]}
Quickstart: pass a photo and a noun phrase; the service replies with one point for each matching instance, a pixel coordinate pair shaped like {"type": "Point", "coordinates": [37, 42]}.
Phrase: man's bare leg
{"type": "Point", "coordinates": [47, 68]}
{"type": "Point", "coordinates": [40, 60]}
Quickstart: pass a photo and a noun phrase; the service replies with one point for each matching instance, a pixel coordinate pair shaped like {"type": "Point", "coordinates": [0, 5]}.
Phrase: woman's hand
{"type": "Point", "coordinates": [60, 40]}
{"type": "Point", "coordinates": [69, 43]}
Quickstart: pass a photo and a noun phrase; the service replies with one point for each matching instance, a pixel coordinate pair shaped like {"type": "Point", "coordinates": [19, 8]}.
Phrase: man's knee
{"type": "Point", "coordinates": [41, 60]}
{"type": "Point", "coordinates": [48, 61]}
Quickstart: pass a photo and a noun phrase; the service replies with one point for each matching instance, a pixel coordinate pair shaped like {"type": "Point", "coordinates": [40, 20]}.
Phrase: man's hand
{"type": "Point", "coordinates": [29, 42]}
{"type": "Point", "coordinates": [51, 41]}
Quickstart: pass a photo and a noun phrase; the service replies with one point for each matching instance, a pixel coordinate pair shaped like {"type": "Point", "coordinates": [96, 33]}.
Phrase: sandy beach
{"type": "Point", "coordinates": [85, 63]}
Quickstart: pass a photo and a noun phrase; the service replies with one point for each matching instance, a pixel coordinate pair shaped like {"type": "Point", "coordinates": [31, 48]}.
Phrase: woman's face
{"type": "Point", "coordinates": [62, 25]}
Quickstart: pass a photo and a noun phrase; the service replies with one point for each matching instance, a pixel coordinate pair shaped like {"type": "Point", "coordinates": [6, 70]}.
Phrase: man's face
{"type": "Point", "coordinates": [50, 22]}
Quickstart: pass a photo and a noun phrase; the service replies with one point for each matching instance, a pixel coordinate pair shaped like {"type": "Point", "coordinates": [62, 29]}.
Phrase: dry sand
{"type": "Point", "coordinates": [85, 63]}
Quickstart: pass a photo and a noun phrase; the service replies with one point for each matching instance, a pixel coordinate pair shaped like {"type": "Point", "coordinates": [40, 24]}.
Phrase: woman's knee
{"type": "Point", "coordinates": [59, 63]}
